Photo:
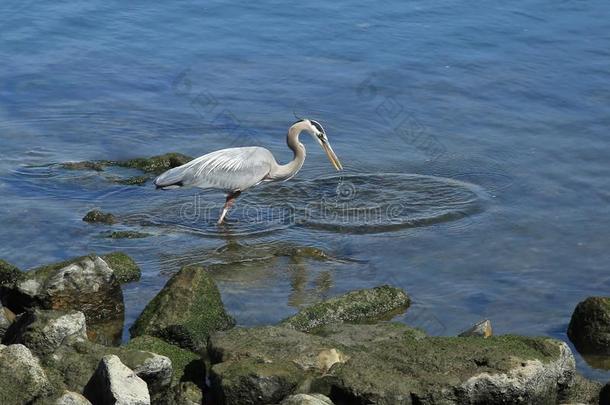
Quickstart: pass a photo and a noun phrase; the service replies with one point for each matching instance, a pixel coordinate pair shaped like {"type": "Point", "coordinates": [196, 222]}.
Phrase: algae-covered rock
{"type": "Point", "coordinates": [22, 379]}
{"type": "Point", "coordinates": [583, 391]}
{"type": "Point", "coordinates": [187, 366]}
{"type": "Point", "coordinates": [186, 310]}
{"type": "Point", "coordinates": [124, 267]}
{"type": "Point", "coordinates": [115, 383]}
{"type": "Point", "coordinates": [265, 364]}
{"type": "Point", "coordinates": [355, 306]}
{"type": "Point", "coordinates": [589, 327]}
{"type": "Point", "coordinates": [5, 322]}
{"type": "Point", "coordinates": [482, 329]}
{"type": "Point", "coordinates": [9, 274]}
{"type": "Point", "coordinates": [156, 164]}
{"type": "Point", "coordinates": [307, 399]}
{"type": "Point", "coordinates": [84, 284]}
{"type": "Point", "coordinates": [184, 393]}
{"type": "Point", "coordinates": [128, 235]}
{"type": "Point", "coordinates": [387, 363]}
{"type": "Point", "coordinates": [97, 216]}
{"type": "Point", "coordinates": [44, 331]}
{"type": "Point", "coordinates": [133, 181]}
{"type": "Point", "coordinates": [85, 165]}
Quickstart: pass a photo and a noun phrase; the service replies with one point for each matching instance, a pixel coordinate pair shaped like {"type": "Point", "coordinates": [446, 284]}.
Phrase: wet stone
{"type": "Point", "coordinates": [97, 216]}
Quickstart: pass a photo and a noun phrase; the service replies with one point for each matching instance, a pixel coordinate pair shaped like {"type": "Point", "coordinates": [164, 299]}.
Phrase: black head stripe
{"type": "Point", "coordinates": [296, 122]}
{"type": "Point", "coordinates": [317, 125]}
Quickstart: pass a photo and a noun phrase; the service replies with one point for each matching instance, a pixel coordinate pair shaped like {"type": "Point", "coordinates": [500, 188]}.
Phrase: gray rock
{"type": "Point", "coordinates": [5, 322]}
{"type": "Point", "coordinates": [72, 398]}
{"type": "Point", "coordinates": [481, 329]}
{"type": "Point", "coordinates": [84, 284]}
{"type": "Point", "coordinates": [382, 302]}
{"type": "Point", "coordinates": [44, 331]}
{"type": "Point", "coordinates": [387, 363]}
{"type": "Point", "coordinates": [115, 383]}
{"type": "Point", "coordinates": [589, 327]}
{"type": "Point", "coordinates": [186, 311]}
{"type": "Point", "coordinates": [156, 371]}
{"type": "Point", "coordinates": [307, 399]}
{"type": "Point", "coordinates": [583, 390]}
{"type": "Point", "coordinates": [184, 393]}
{"type": "Point", "coordinates": [22, 379]}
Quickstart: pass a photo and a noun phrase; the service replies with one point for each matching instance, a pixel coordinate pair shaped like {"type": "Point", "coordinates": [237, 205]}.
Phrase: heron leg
{"type": "Point", "coordinates": [228, 204]}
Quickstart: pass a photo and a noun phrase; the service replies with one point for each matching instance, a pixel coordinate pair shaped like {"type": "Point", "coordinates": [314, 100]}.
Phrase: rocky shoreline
{"type": "Point", "coordinates": [61, 326]}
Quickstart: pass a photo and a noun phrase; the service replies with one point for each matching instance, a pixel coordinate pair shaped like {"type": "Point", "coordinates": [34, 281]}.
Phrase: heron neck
{"type": "Point", "coordinates": [285, 172]}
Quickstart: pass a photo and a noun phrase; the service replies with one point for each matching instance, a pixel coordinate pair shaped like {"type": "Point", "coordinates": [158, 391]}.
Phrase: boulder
{"type": "Point", "coordinates": [115, 383]}
{"type": "Point", "coordinates": [387, 363]}
{"type": "Point", "coordinates": [71, 398]}
{"type": "Point", "coordinates": [97, 216]}
{"type": "Point", "coordinates": [263, 365]}
{"type": "Point", "coordinates": [44, 331]}
{"type": "Point", "coordinates": [84, 284]}
{"type": "Point", "coordinates": [74, 364]}
{"type": "Point", "coordinates": [481, 329]}
{"type": "Point", "coordinates": [583, 391]}
{"type": "Point", "coordinates": [382, 302]}
{"type": "Point", "coordinates": [187, 366]}
{"type": "Point", "coordinates": [124, 267]}
{"type": "Point", "coordinates": [5, 321]}
{"type": "Point", "coordinates": [85, 165]}
{"type": "Point", "coordinates": [307, 399]}
{"type": "Point", "coordinates": [186, 311]}
{"type": "Point", "coordinates": [9, 274]}
{"type": "Point", "coordinates": [184, 393]}
{"type": "Point", "coordinates": [22, 379]}
{"type": "Point", "coordinates": [589, 327]}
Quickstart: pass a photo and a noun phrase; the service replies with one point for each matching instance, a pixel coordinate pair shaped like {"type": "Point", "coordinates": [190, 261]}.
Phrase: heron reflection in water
{"type": "Point", "coordinates": [234, 170]}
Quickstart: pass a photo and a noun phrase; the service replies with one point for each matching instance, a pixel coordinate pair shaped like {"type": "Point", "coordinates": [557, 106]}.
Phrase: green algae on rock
{"type": "Point", "coordinates": [132, 181]}
{"type": "Point", "coordinates": [186, 310]}
{"type": "Point", "coordinates": [97, 216]}
{"type": "Point", "coordinates": [388, 363]}
{"type": "Point", "coordinates": [187, 366]}
{"type": "Point", "coordinates": [127, 235]}
{"type": "Point", "coordinates": [124, 267]}
{"type": "Point", "coordinates": [156, 164]}
{"type": "Point", "coordinates": [382, 302]}
{"type": "Point", "coordinates": [589, 327]}
{"type": "Point", "coordinates": [9, 274]}
{"type": "Point", "coordinates": [85, 165]}
{"type": "Point", "coordinates": [22, 379]}
{"type": "Point", "coordinates": [84, 284]}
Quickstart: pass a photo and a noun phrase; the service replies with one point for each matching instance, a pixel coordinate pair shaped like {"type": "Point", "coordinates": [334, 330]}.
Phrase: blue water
{"type": "Point", "coordinates": [513, 100]}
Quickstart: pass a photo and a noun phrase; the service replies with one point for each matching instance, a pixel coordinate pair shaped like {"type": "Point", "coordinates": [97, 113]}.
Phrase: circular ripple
{"type": "Point", "coordinates": [375, 202]}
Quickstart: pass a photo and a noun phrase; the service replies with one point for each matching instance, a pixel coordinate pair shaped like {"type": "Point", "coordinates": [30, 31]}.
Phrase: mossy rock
{"type": "Point", "coordinates": [85, 165]}
{"type": "Point", "coordinates": [156, 164]}
{"type": "Point", "coordinates": [382, 302]}
{"type": "Point", "coordinates": [186, 311]}
{"type": "Point", "coordinates": [97, 216]}
{"type": "Point", "coordinates": [389, 363]}
{"type": "Point", "coordinates": [133, 181]}
{"type": "Point", "coordinates": [9, 274]}
{"type": "Point", "coordinates": [22, 379]}
{"type": "Point", "coordinates": [188, 366]}
{"type": "Point", "coordinates": [589, 327]}
{"type": "Point", "coordinates": [124, 267]}
{"type": "Point", "coordinates": [127, 235]}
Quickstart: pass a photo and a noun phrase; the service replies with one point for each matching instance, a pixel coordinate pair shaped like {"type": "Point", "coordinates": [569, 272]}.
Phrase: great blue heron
{"type": "Point", "coordinates": [237, 169]}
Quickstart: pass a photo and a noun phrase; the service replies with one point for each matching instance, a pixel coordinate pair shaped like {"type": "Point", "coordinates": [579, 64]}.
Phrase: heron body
{"type": "Point", "coordinates": [235, 170]}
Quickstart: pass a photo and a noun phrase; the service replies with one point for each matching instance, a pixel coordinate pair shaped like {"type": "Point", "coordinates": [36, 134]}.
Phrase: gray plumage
{"type": "Point", "coordinates": [237, 169]}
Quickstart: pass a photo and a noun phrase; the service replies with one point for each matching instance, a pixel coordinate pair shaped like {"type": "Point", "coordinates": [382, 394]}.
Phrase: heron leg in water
{"type": "Point", "coordinates": [228, 204]}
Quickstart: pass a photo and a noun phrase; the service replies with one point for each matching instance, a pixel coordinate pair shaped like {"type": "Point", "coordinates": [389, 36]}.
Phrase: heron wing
{"type": "Point", "coordinates": [228, 169]}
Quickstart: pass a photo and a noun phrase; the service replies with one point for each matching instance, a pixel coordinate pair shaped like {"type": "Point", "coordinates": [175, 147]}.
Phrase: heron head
{"type": "Point", "coordinates": [317, 131]}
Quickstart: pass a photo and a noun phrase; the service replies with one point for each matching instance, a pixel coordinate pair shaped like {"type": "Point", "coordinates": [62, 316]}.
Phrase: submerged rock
{"type": "Point", "coordinates": [482, 329]}
{"type": "Point", "coordinates": [156, 164]}
{"type": "Point", "coordinates": [307, 399]}
{"type": "Point", "coordinates": [85, 284]}
{"type": "Point", "coordinates": [128, 235]}
{"type": "Point", "coordinates": [43, 332]}
{"type": "Point", "coordinates": [85, 165]}
{"type": "Point", "coordinates": [9, 274]}
{"type": "Point", "coordinates": [589, 327]}
{"type": "Point", "coordinates": [187, 366]}
{"type": "Point", "coordinates": [133, 181]}
{"type": "Point", "coordinates": [115, 383]}
{"type": "Point", "coordinates": [22, 379]}
{"type": "Point", "coordinates": [71, 398]}
{"type": "Point", "coordinates": [186, 310]}
{"type": "Point", "coordinates": [387, 363]}
{"type": "Point", "coordinates": [355, 306]}
{"type": "Point", "coordinates": [124, 267]}
{"type": "Point", "coordinates": [97, 216]}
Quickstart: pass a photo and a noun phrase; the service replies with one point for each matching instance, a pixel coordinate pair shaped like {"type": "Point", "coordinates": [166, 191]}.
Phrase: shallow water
{"type": "Point", "coordinates": [474, 137]}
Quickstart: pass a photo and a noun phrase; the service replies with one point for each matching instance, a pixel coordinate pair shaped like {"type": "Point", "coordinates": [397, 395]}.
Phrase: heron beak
{"type": "Point", "coordinates": [331, 156]}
